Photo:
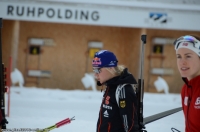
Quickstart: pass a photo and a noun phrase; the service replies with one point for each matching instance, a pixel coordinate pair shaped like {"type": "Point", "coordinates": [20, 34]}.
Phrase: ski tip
{"type": "Point", "coordinates": [73, 118]}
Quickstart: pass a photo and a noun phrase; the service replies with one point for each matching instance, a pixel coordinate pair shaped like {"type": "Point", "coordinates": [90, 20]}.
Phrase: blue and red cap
{"type": "Point", "coordinates": [104, 58]}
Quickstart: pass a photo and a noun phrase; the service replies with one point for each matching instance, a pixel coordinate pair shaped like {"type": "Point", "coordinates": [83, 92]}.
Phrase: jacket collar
{"type": "Point", "coordinates": [190, 82]}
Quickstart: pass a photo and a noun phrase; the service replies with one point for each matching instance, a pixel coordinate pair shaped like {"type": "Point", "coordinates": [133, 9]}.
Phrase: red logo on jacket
{"type": "Point", "coordinates": [107, 100]}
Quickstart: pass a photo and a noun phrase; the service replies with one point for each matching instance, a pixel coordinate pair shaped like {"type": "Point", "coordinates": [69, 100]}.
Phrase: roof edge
{"type": "Point", "coordinates": [156, 5]}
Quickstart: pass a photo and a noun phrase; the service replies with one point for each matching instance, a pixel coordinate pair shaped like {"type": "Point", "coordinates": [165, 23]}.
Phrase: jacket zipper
{"type": "Point", "coordinates": [109, 126]}
{"type": "Point", "coordinates": [100, 121]}
{"type": "Point", "coordinates": [188, 108]}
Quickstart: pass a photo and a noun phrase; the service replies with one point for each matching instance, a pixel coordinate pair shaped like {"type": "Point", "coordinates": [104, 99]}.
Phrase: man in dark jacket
{"type": "Point", "coordinates": [118, 112]}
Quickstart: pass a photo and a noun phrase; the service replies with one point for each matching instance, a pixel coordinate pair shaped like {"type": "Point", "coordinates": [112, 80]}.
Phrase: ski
{"type": "Point", "coordinates": [57, 125]}
{"type": "Point", "coordinates": [161, 115]}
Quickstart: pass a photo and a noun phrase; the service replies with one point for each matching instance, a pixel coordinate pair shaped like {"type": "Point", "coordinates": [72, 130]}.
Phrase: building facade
{"type": "Point", "coordinates": [52, 42]}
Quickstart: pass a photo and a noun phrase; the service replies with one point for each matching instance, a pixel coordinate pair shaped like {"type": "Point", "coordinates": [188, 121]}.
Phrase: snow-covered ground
{"type": "Point", "coordinates": [40, 108]}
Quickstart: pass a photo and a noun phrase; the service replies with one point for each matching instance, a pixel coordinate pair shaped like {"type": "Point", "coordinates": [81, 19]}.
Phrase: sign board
{"type": "Point", "coordinates": [162, 71]}
{"type": "Point", "coordinates": [92, 51]}
{"type": "Point", "coordinates": [34, 50]}
{"type": "Point", "coordinates": [158, 49]}
{"type": "Point", "coordinates": [107, 15]}
{"type": "Point", "coordinates": [94, 46]}
{"type": "Point", "coordinates": [41, 41]}
{"type": "Point", "coordinates": [39, 73]}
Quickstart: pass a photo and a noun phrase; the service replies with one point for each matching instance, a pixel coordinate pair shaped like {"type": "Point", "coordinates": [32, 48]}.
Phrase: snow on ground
{"type": "Point", "coordinates": [40, 108]}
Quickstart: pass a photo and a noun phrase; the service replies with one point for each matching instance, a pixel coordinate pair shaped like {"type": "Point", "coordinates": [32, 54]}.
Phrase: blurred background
{"type": "Point", "coordinates": [52, 42]}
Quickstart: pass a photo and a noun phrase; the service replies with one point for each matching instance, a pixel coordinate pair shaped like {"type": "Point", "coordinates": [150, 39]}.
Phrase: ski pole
{"type": "Point", "coordinates": [3, 120]}
{"type": "Point", "coordinates": [140, 89]}
{"type": "Point", "coordinates": [57, 125]}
